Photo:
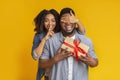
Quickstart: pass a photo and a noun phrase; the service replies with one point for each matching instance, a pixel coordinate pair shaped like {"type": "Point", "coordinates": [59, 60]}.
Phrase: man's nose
{"type": "Point", "coordinates": [68, 22]}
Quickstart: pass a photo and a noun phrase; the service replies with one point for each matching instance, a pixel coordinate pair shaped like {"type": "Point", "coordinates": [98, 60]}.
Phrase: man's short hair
{"type": "Point", "coordinates": [66, 10]}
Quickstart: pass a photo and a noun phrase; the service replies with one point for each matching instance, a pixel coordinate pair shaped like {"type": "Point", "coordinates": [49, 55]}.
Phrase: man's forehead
{"type": "Point", "coordinates": [66, 14]}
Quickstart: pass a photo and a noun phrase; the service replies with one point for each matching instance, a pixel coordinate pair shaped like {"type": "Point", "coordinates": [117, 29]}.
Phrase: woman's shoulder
{"type": "Point", "coordinates": [39, 35]}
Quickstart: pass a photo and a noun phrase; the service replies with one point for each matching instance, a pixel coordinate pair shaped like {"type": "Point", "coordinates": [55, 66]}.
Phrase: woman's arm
{"type": "Point", "coordinates": [40, 47]}
{"type": "Point", "coordinates": [80, 27]}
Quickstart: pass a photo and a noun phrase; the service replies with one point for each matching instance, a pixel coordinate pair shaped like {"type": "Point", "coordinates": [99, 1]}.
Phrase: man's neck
{"type": "Point", "coordinates": [70, 35]}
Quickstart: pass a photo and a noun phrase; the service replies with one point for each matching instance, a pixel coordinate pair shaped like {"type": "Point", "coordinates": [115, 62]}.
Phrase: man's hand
{"type": "Point", "coordinates": [89, 60]}
{"type": "Point", "coordinates": [62, 54]}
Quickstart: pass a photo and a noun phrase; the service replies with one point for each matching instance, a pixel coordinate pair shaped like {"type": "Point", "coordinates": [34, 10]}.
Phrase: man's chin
{"type": "Point", "coordinates": [67, 33]}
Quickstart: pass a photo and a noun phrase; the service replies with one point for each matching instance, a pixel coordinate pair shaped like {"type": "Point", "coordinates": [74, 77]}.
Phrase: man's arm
{"type": "Point", "coordinates": [47, 63]}
{"type": "Point", "coordinates": [60, 55]}
{"type": "Point", "coordinates": [91, 58]}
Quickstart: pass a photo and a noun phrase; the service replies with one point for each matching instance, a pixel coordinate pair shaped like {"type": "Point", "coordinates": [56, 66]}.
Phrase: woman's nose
{"type": "Point", "coordinates": [50, 23]}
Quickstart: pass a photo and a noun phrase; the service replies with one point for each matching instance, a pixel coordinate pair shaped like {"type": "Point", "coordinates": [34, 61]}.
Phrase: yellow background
{"type": "Point", "coordinates": [100, 17]}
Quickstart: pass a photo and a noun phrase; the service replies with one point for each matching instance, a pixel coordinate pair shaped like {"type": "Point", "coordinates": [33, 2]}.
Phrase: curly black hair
{"type": "Point", "coordinates": [39, 21]}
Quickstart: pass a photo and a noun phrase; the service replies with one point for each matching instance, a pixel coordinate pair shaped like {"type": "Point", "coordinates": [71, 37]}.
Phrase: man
{"type": "Point", "coordinates": [63, 66]}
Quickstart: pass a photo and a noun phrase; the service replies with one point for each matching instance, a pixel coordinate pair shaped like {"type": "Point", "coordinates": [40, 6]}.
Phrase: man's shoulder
{"type": "Point", "coordinates": [55, 37]}
{"type": "Point", "coordinates": [83, 38]}
{"type": "Point", "coordinates": [86, 38]}
{"type": "Point", "coordinates": [54, 41]}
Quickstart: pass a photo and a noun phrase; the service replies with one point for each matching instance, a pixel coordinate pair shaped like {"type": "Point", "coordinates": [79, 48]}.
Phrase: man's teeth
{"type": "Point", "coordinates": [68, 27]}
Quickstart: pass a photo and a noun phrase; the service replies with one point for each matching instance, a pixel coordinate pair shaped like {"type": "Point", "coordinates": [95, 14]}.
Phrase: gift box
{"type": "Point", "coordinates": [77, 48]}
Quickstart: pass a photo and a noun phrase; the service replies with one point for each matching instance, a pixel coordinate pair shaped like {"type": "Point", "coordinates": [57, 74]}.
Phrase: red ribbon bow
{"type": "Point", "coordinates": [76, 48]}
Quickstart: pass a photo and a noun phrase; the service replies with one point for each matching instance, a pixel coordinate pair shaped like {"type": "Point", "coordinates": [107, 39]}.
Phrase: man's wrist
{"type": "Point", "coordinates": [54, 60]}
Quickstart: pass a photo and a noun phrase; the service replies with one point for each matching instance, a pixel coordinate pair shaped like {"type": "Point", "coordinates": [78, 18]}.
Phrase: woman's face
{"type": "Point", "coordinates": [49, 22]}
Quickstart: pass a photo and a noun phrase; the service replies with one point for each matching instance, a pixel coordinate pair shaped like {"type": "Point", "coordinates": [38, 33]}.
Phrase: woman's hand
{"type": "Point", "coordinates": [49, 34]}
{"type": "Point", "coordinates": [71, 18]}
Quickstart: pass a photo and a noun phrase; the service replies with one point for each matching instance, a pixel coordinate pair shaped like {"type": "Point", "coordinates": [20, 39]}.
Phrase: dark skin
{"type": "Point", "coordinates": [89, 60]}
{"type": "Point", "coordinates": [62, 54]}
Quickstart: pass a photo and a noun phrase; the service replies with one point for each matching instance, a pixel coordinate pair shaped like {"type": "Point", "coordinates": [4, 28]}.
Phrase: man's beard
{"type": "Point", "coordinates": [65, 33]}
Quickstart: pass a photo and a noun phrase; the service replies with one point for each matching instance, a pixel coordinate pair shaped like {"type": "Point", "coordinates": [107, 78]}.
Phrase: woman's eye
{"type": "Point", "coordinates": [46, 20]}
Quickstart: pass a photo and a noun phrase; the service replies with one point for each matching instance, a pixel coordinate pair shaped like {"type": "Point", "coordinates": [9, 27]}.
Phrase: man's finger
{"type": "Point", "coordinates": [68, 54]}
{"type": "Point", "coordinates": [59, 50]}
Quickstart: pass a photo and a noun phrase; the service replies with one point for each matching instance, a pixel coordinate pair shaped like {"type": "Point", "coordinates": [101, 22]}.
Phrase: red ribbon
{"type": "Point", "coordinates": [76, 48]}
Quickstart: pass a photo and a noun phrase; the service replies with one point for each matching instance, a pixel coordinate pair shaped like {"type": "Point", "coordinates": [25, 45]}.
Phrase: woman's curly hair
{"type": "Point", "coordinates": [39, 21]}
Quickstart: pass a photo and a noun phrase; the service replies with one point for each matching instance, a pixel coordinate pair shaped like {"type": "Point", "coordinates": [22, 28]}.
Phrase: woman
{"type": "Point", "coordinates": [46, 24]}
